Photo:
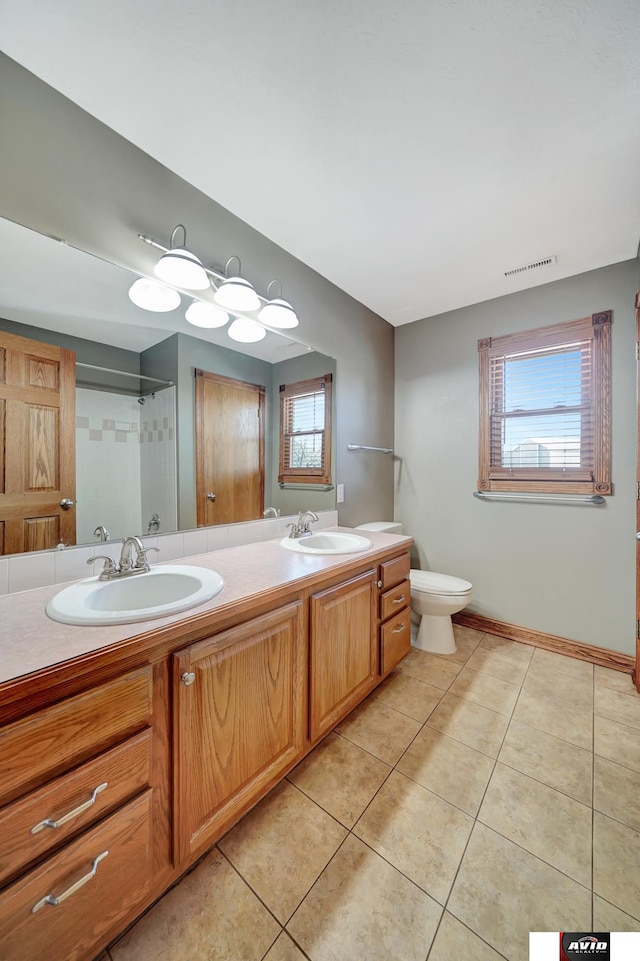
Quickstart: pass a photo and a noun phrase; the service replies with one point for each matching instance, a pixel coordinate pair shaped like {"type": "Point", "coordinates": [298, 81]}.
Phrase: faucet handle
{"type": "Point", "coordinates": [110, 567]}
{"type": "Point", "coordinates": [141, 559]}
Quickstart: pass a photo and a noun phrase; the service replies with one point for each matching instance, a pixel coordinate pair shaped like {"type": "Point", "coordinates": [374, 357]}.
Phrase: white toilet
{"type": "Point", "coordinates": [434, 598]}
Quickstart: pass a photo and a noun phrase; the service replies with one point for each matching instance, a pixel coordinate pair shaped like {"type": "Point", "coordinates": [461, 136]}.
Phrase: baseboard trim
{"type": "Point", "coordinates": [549, 642]}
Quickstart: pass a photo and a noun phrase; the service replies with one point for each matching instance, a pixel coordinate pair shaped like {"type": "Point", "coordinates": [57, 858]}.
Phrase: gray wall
{"type": "Point", "coordinates": [562, 569]}
{"type": "Point", "coordinates": [66, 174]}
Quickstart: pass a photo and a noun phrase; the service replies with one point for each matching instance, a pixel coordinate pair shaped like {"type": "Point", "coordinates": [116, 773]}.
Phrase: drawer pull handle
{"type": "Point", "coordinates": [55, 901]}
{"type": "Point", "coordinates": [398, 600]}
{"type": "Point", "coordinates": [50, 823]}
{"type": "Point", "coordinates": [399, 629]}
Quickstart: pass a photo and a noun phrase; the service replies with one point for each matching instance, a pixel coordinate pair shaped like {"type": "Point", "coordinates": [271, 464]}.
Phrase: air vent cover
{"type": "Point", "coordinates": [533, 266]}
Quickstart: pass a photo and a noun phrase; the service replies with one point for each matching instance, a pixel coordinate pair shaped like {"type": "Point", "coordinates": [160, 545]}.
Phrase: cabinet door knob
{"type": "Point", "coordinates": [188, 678]}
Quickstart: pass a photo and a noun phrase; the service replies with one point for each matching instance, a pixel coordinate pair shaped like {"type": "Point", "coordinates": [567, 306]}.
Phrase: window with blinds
{"type": "Point", "coordinates": [544, 409]}
{"type": "Point", "coordinates": [305, 431]}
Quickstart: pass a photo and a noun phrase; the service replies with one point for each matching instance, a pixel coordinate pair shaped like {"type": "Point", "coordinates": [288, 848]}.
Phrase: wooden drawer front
{"type": "Point", "coordinates": [110, 780]}
{"type": "Point", "coordinates": [395, 640]}
{"type": "Point", "coordinates": [394, 571]}
{"type": "Point", "coordinates": [396, 600]}
{"type": "Point", "coordinates": [51, 741]}
{"type": "Point", "coordinates": [90, 913]}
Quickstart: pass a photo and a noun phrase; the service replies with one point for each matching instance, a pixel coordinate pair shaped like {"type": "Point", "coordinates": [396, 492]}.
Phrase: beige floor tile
{"type": "Point", "coordinates": [380, 730]}
{"type": "Point", "coordinates": [210, 914]}
{"type": "Point", "coordinates": [558, 763]}
{"type": "Point", "coordinates": [624, 708]}
{"type": "Point", "coordinates": [551, 716]}
{"type": "Point", "coordinates": [266, 847]}
{"type": "Point", "coordinates": [502, 892]}
{"type": "Point", "coordinates": [573, 692]}
{"type": "Point", "coordinates": [340, 777]}
{"type": "Point", "coordinates": [511, 650]}
{"type": "Point", "coordinates": [454, 941]}
{"type": "Point", "coordinates": [608, 918]}
{"type": "Point", "coordinates": [504, 668]}
{"type": "Point", "coordinates": [362, 908]}
{"type": "Point", "coordinates": [409, 695]}
{"type": "Point", "coordinates": [548, 662]}
{"type": "Point", "coordinates": [616, 792]}
{"type": "Point", "coordinates": [467, 640]}
{"type": "Point", "coordinates": [486, 691]}
{"type": "Point", "coordinates": [618, 680]}
{"type": "Point", "coordinates": [418, 832]}
{"type": "Point", "coordinates": [616, 856]}
{"type": "Point", "coordinates": [284, 950]}
{"type": "Point", "coordinates": [449, 768]}
{"type": "Point", "coordinates": [550, 825]}
{"type": "Point", "coordinates": [475, 726]}
{"type": "Point", "coordinates": [618, 742]}
{"type": "Point", "coordinates": [431, 668]}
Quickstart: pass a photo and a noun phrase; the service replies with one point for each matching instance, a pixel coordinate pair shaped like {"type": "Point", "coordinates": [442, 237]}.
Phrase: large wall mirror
{"type": "Point", "coordinates": [132, 430]}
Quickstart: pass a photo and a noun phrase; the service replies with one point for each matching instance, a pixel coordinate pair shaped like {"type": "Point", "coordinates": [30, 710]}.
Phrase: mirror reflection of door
{"type": "Point", "coordinates": [229, 440]}
{"type": "Point", "coordinates": [37, 445]}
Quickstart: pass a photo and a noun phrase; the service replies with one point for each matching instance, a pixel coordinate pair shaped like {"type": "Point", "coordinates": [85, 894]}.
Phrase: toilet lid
{"type": "Point", "coordinates": [439, 583]}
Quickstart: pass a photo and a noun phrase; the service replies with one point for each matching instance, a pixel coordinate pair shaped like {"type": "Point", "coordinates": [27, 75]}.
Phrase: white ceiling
{"type": "Point", "coordinates": [410, 152]}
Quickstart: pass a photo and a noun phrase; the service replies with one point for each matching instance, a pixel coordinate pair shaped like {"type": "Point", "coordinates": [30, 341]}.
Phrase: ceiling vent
{"type": "Point", "coordinates": [545, 262]}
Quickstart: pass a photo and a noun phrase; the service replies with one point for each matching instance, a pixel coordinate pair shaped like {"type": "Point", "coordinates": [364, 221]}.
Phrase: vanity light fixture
{"type": "Point", "coordinates": [234, 296]}
{"type": "Point", "coordinates": [152, 295]}
{"type": "Point", "coordinates": [278, 313]}
{"type": "Point", "coordinates": [206, 315]}
{"type": "Point", "coordinates": [246, 331]}
{"type": "Point", "coordinates": [236, 293]}
{"type": "Point", "coordinates": [178, 266]}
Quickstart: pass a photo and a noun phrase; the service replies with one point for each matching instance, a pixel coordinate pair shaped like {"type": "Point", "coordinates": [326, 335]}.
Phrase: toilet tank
{"type": "Point", "coordinates": [385, 527]}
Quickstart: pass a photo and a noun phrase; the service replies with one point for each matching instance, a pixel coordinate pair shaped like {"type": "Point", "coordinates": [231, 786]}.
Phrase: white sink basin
{"type": "Point", "coordinates": [327, 542]}
{"type": "Point", "coordinates": [140, 597]}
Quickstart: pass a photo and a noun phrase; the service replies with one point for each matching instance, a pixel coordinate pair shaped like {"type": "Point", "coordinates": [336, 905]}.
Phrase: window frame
{"type": "Point", "coordinates": [305, 475]}
{"type": "Point", "coordinates": [558, 480]}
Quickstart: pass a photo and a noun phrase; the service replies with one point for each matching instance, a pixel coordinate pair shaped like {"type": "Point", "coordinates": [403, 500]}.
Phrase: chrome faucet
{"type": "Point", "coordinates": [101, 532]}
{"type": "Point", "coordinates": [301, 528]}
{"type": "Point", "coordinates": [126, 566]}
{"type": "Point", "coordinates": [271, 512]}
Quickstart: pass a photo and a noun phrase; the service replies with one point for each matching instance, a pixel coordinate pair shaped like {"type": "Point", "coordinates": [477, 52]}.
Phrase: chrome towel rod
{"type": "Point", "coordinates": [594, 500]}
{"type": "Point", "coordinates": [385, 450]}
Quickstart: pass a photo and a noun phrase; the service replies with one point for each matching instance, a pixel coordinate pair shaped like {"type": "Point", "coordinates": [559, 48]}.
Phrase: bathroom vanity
{"type": "Point", "coordinates": [127, 751]}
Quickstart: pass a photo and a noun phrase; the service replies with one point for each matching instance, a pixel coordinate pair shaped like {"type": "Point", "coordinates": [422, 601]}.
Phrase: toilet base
{"type": "Point", "coordinates": [435, 634]}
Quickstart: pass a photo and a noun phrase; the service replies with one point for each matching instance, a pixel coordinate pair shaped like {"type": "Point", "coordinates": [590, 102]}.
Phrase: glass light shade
{"type": "Point", "coordinates": [237, 294]}
{"type": "Point", "coordinates": [246, 331]}
{"type": "Point", "coordinates": [206, 315]}
{"type": "Point", "coordinates": [151, 295]}
{"type": "Point", "coordinates": [278, 313]}
{"type": "Point", "coordinates": [182, 268]}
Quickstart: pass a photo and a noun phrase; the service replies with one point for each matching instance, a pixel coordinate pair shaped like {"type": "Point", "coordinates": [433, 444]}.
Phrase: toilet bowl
{"type": "Point", "coordinates": [434, 598]}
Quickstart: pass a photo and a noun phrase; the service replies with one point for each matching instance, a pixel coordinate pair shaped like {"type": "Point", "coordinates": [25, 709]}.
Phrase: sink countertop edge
{"type": "Point", "coordinates": [249, 571]}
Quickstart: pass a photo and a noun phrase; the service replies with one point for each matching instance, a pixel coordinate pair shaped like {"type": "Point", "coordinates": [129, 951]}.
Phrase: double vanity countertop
{"type": "Point", "coordinates": [30, 641]}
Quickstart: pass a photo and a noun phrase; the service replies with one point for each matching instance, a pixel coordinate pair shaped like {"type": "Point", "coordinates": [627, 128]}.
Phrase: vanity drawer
{"type": "Point", "coordinates": [396, 600]}
{"type": "Point", "coordinates": [395, 640]}
{"type": "Point", "coordinates": [96, 879]}
{"type": "Point", "coordinates": [49, 742]}
{"type": "Point", "coordinates": [109, 779]}
{"type": "Point", "coordinates": [394, 571]}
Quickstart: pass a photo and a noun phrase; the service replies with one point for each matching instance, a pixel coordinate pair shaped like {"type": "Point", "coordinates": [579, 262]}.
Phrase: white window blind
{"type": "Point", "coordinates": [544, 409]}
{"type": "Point", "coordinates": [305, 415]}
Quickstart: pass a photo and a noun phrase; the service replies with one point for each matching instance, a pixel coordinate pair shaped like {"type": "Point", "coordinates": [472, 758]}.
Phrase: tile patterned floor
{"type": "Point", "coordinates": [472, 798]}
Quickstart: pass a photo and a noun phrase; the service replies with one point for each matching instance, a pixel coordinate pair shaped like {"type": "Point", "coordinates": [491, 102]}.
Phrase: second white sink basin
{"type": "Point", "coordinates": [157, 593]}
{"type": "Point", "coordinates": [327, 542]}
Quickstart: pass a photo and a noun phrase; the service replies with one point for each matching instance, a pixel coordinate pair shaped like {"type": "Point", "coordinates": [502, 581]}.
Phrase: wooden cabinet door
{"type": "Point", "coordinates": [229, 442]}
{"type": "Point", "coordinates": [37, 445]}
{"type": "Point", "coordinates": [239, 701]}
{"type": "Point", "coordinates": [343, 650]}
